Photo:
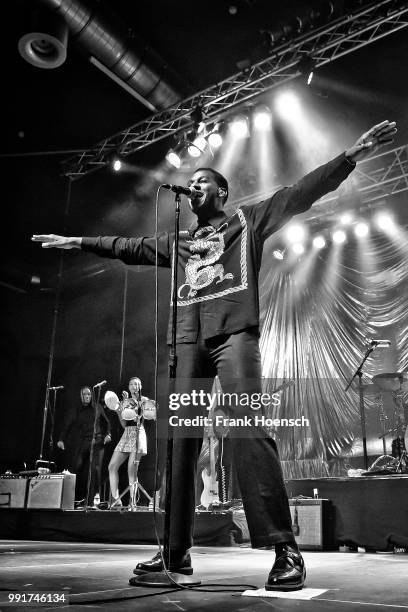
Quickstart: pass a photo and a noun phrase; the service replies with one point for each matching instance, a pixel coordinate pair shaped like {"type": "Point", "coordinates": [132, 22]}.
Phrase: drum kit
{"type": "Point", "coordinates": [395, 383]}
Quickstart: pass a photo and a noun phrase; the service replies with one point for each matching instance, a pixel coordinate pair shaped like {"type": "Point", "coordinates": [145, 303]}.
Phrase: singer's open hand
{"type": "Point", "coordinates": [379, 135]}
{"type": "Point", "coordinates": [50, 241]}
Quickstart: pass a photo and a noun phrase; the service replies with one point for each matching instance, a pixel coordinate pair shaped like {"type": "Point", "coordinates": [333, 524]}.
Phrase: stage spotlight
{"type": "Point", "coordinates": [384, 221]}
{"type": "Point", "coordinates": [339, 236]}
{"type": "Point", "coordinates": [346, 219]}
{"type": "Point", "coordinates": [278, 254]}
{"type": "Point", "coordinates": [115, 162]}
{"type": "Point", "coordinates": [117, 165]}
{"type": "Point", "coordinates": [262, 118]}
{"type": "Point", "coordinates": [193, 151]}
{"type": "Point", "coordinates": [361, 230]}
{"type": "Point", "coordinates": [295, 233]}
{"type": "Point", "coordinates": [215, 140]}
{"type": "Point", "coordinates": [239, 127]}
{"type": "Point", "coordinates": [173, 158]}
{"type": "Point", "coordinates": [197, 146]}
{"type": "Point", "coordinates": [298, 248]}
{"type": "Point", "coordinates": [288, 105]}
{"type": "Point", "coordinates": [319, 242]}
{"type": "Point", "coordinates": [306, 66]}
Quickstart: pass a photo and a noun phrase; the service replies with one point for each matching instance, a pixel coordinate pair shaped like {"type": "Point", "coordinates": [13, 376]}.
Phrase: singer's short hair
{"type": "Point", "coordinates": [219, 179]}
{"type": "Point", "coordinates": [135, 378]}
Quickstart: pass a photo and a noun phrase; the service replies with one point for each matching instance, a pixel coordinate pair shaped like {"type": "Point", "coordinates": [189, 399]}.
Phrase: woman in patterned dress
{"type": "Point", "coordinates": [132, 445]}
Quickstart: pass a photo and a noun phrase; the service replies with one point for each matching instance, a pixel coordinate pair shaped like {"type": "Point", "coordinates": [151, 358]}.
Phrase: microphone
{"type": "Point", "coordinates": [187, 191]}
{"type": "Point", "coordinates": [380, 343]}
{"type": "Point", "coordinates": [100, 384]}
{"type": "Point", "coordinates": [56, 388]}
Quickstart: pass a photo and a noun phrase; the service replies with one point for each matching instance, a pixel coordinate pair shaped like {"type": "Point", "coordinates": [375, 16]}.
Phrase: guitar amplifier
{"type": "Point", "coordinates": [52, 491]}
{"type": "Point", "coordinates": [13, 491]}
{"type": "Point", "coordinates": [313, 523]}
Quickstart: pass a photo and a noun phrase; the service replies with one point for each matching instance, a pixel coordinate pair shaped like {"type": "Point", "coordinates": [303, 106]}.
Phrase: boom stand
{"type": "Point", "coordinates": [359, 373]}
{"type": "Point", "coordinates": [41, 462]}
{"type": "Point", "coordinates": [166, 578]}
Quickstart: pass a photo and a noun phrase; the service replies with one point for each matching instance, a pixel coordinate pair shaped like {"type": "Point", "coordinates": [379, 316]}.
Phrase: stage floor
{"type": "Point", "coordinates": [95, 576]}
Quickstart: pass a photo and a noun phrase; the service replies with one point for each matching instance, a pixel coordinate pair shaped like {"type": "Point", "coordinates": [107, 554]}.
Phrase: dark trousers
{"type": "Point", "coordinates": [236, 360]}
{"type": "Point", "coordinates": [80, 466]}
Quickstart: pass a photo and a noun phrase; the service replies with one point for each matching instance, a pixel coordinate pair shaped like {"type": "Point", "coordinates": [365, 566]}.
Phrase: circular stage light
{"type": "Point", "coordinates": [339, 236]}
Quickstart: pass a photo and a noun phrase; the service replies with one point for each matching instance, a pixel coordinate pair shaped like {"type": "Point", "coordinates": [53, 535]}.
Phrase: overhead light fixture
{"type": "Point", "coordinates": [361, 230]}
{"type": "Point", "coordinates": [197, 146]}
{"type": "Point", "coordinates": [197, 115]}
{"type": "Point", "coordinates": [115, 162]}
{"type": "Point", "coordinates": [384, 221]}
{"type": "Point", "coordinates": [173, 158]}
{"type": "Point", "coordinates": [306, 66]}
{"type": "Point", "coordinates": [295, 233]}
{"type": "Point", "coordinates": [339, 236]}
{"type": "Point", "coordinates": [279, 254]}
{"type": "Point", "coordinates": [298, 248]}
{"type": "Point", "coordinates": [319, 242]}
{"type": "Point", "coordinates": [288, 105]}
{"type": "Point", "coordinates": [215, 140]}
{"type": "Point", "coordinates": [262, 118]}
{"type": "Point", "coordinates": [346, 219]}
{"type": "Point", "coordinates": [239, 127]}
{"type": "Point", "coordinates": [214, 136]}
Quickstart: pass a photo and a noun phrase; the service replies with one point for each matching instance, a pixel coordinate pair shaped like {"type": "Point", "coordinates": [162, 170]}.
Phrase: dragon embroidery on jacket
{"type": "Point", "coordinates": [200, 271]}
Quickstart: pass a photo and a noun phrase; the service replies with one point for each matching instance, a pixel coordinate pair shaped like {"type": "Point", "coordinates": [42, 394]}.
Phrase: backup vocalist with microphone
{"type": "Point", "coordinates": [83, 423]}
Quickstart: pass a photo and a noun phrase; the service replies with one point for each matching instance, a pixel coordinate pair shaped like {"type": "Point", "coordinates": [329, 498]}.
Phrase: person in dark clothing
{"type": "Point", "coordinates": [79, 428]}
{"type": "Point", "coordinates": [217, 334]}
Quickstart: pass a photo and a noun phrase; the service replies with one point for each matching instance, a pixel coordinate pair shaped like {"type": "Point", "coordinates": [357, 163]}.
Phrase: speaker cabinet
{"type": "Point", "coordinates": [52, 491]}
{"type": "Point", "coordinates": [13, 491]}
{"type": "Point", "coordinates": [313, 523]}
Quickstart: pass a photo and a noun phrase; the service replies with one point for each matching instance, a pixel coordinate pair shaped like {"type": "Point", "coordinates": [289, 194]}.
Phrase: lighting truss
{"type": "Point", "coordinates": [337, 38]}
{"type": "Point", "coordinates": [375, 178]}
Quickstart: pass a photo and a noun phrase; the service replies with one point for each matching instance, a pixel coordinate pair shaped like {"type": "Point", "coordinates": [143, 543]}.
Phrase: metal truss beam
{"type": "Point", "coordinates": [374, 178]}
{"type": "Point", "coordinates": [325, 44]}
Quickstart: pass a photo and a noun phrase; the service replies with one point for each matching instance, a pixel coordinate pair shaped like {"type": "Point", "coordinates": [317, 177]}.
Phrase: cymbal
{"type": "Point", "coordinates": [392, 381]}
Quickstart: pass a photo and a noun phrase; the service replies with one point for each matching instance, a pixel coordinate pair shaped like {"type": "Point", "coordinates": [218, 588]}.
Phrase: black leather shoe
{"type": "Point", "coordinates": [178, 563]}
{"type": "Point", "coordinates": [288, 572]}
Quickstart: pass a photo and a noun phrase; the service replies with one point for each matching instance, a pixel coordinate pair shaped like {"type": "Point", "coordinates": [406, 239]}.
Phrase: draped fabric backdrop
{"type": "Point", "coordinates": [318, 314]}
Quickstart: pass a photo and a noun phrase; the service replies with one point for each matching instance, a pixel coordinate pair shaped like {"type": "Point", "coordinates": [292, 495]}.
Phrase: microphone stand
{"type": "Point", "coordinates": [88, 503]}
{"type": "Point", "coordinates": [41, 462]}
{"type": "Point", "coordinates": [359, 373]}
{"type": "Point", "coordinates": [166, 578]}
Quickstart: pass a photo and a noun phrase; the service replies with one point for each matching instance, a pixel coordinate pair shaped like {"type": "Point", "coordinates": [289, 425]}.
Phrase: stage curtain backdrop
{"type": "Point", "coordinates": [318, 314]}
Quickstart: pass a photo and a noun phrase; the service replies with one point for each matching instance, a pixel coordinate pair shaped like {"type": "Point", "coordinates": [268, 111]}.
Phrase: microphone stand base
{"type": "Point", "coordinates": [161, 579]}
